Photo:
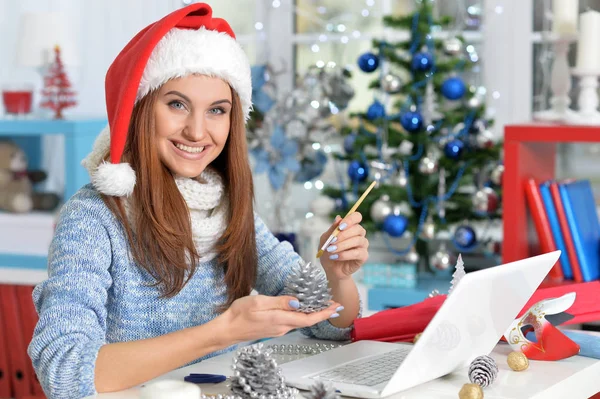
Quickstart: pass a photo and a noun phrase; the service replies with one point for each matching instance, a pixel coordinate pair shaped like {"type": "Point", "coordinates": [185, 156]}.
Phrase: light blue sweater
{"type": "Point", "coordinates": [95, 295]}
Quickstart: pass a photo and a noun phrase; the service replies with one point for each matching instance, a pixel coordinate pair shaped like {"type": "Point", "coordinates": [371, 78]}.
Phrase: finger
{"type": "Point", "coordinates": [284, 302]}
{"type": "Point", "coordinates": [352, 242]}
{"type": "Point", "coordinates": [332, 228]}
{"type": "Point", "coordinates": [354, 231]}
{"type": "Point", "coordinates": [299, 319]}
{"type": "Point", "coordinates": [353, 219]}
{"type": "Point", "coordinates": [358, 254]}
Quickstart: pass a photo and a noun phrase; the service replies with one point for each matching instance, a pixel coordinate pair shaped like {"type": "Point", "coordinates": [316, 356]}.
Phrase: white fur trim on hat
{"type": "Point", "coordinates": [182, 52]}
{"type": "Point", "coordinates": [117, 180]}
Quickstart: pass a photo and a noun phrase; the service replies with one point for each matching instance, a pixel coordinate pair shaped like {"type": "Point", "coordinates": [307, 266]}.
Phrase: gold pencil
{"type": "Point", "coordinates": [352, 210]}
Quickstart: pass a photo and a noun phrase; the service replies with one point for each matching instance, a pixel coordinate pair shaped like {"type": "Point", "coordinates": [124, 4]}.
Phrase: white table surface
{"type": "Point", "coordinates": [573, 378]}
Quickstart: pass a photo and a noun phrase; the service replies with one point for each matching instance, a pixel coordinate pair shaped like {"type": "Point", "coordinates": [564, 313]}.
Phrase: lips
{"type": "Point", "coordinates": [189, 149]}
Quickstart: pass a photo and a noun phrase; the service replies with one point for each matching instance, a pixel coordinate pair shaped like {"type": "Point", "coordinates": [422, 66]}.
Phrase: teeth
{"type": "Point", "coordinates": [191, 150]}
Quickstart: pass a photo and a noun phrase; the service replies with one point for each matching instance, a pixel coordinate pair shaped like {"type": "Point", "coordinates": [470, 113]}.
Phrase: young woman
{"type": "Point", "coordinates": [152, 264]}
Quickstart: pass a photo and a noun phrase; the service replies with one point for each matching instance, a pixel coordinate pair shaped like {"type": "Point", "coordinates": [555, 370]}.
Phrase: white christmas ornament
{"type": "Point", "coordinates": [459, 273]}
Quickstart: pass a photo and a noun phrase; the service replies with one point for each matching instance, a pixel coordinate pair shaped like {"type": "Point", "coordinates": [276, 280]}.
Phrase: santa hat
{"type": "Point", "coordinates": [187, 41]}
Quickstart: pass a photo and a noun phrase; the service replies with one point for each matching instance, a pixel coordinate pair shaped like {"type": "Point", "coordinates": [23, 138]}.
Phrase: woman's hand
{"type": "Point", "coordinates": [258, 316]}
{"type": "Point", "coordinates": [348, 252]}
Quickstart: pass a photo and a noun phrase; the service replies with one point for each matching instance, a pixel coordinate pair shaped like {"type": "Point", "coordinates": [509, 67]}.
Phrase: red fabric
{"type": "Point", "coordinates": [124, 75]}
{"type": "Point", "coordinates": [402, 324]}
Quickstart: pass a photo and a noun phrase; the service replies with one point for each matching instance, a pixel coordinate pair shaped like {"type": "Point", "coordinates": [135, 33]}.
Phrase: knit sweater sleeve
{"type": "Point", "coordinates": [71, 303]}
{"type": "Point", "coordinates": [276, 262]}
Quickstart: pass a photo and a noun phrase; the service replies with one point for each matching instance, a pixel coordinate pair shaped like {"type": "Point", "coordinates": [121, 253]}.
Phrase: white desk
{"type": "Point", "coordinates": [577, 377]}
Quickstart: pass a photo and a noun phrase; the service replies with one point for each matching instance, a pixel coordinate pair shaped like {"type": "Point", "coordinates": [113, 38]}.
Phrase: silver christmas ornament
{"type": "Point", "coordinates": [391, 83]}
{"type": "Point", "coordinates": [497, 174]}
{"type": "Point", "coordinates": [412, 256]}
{"type": "Point", "coordinates": [453, 46]}
{"type": "Point", "coordinates": [474, 103]}
{"type": "Point", "coordinates": [400, 179]}
{"type": "Point", "coordinates": [428, 164]}
{"type": "Point", "coordinates": [485, 139]}
{"type": "Point", "coordinates": [322, 390]}
{"type": "Point", "coordinates": [381, 208]}
{"type": "Point", "coordinates": [485, 200]}
{"type": "Point", "coordinates": [309, 285]}
{"type": "Point", "coordinates": [442, 259]}
{"type": "Point", "coordinates": [483, 371]}
{"type": "Point", "coordinates": [473, 20]}
{"type": "Point", "coordinates": [428, 229]}
{"type": "Point", "coordinates": [258, 375]}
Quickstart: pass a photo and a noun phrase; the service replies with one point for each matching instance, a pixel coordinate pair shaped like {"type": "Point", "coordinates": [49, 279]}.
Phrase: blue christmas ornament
{"type": "Point", "coordinates": [349, 143]}
{"type": "Point", "coordinates": [358, 171]}
{"type": "Point", "coordinates": [375, 111]}
{"type": "Point", "coordinates": [395, 225]}
{"type": "Point", "coordinates": [453, 88]}
{"type": "Point", "coordinates": [422, 61]}
{"type": "Point", "coordinates": [412, 121]}
{"type": "Point", "coordinates": [465, 237]}
{"type": "Point", "coordinates": [454, 148]}
{"type": "Point", "coordinates": [368, 62]}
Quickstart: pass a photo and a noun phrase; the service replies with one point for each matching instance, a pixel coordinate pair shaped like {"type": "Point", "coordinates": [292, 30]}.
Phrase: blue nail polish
{"type": "Point", "coordinates": [343, 226]}
{"type": "Point", "coordinates": [333, 316]}
{"type": "Point", "coordinates": [334, 257]}
{"type": "Point", "coordinates": [331, 248]}
{"type": "Point", "coordinates": [334, 240]}
{"type": "Point", "coordinates": [339, 309]}
{"type": "Point", "coordinates": [294, 304]}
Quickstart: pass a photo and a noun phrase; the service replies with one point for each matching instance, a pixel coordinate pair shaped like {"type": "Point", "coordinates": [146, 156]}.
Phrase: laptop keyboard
{"type": "Point", "coordinates": [370, 371]}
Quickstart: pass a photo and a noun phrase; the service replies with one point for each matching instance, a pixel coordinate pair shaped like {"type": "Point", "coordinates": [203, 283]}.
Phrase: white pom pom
{"type": "Point", "coordinates": [117, 180]}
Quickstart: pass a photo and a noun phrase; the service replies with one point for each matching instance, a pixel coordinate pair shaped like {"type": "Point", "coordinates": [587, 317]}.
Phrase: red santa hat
{"type": "Point", "coordinates": [187, 41]}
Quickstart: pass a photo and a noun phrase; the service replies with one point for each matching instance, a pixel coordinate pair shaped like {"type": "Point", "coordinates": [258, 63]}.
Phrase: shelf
{"type": "Point", "coordinates": [37, 127]}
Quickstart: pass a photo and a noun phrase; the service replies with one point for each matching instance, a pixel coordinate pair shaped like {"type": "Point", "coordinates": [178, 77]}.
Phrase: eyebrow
{"type": "Point", "coordinates": [186, 98]}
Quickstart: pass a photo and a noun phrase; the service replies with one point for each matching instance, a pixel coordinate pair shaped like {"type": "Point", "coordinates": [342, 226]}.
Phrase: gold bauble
{"type": "Point", "coordinates": [471, 391]}
{"type": "Point", "coordinates": [416, 338]}
{"type": "Point", "coordinates": [517, 361]}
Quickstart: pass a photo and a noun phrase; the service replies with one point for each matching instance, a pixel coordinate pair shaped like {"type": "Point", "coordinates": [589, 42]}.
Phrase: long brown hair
{"type": "Point", "coordinates": [160, 232]}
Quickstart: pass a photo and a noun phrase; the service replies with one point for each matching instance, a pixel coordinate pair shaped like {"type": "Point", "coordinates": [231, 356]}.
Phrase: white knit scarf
{"type": "Point", "coordinates": [208, 206]}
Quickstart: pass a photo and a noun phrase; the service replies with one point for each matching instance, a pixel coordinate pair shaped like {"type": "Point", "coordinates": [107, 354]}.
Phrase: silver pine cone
{"type": "Point", "coordinates": [257, 376]}
{"type": "Point", "coordinates": [309, 285]}
{"type": "Point", "coordinates": [483, 371]}
{"type": "Point", "coordinates": [321, 390]}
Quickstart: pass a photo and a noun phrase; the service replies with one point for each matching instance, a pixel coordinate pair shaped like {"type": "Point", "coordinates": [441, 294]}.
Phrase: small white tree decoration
{"type": "Point", "coordinates": [459, 273]}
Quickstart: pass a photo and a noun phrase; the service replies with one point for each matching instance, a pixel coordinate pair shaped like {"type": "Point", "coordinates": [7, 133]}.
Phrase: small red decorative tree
{"type": "Point", "coordinates": [57, 93]}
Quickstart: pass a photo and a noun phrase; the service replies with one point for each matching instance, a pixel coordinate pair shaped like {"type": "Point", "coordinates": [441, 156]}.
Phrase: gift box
{"type": "Point", "coordinates": [393, 275]}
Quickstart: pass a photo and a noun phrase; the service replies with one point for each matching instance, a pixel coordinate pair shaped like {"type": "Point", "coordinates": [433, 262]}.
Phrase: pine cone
{"type": "Point", "coordinates": [320, 390]}
{"type": "Point", "coordinates": [309, 284]}
{"type": "Point", "coordinates": [483, 371]}
{"type": "Point", "coordinates": [257, 376]}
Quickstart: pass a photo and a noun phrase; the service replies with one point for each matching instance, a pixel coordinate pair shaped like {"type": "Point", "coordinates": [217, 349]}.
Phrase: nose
{"type": "Point", "coordinates": [195, 129]}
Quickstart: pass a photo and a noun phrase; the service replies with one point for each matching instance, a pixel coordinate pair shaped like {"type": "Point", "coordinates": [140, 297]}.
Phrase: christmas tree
{"type": "Point", "coordinates": [426, 139]}
{"type": "Point", "coordinates": [459, 273]}
{"type": "Point", "coordinates": [57, 93]}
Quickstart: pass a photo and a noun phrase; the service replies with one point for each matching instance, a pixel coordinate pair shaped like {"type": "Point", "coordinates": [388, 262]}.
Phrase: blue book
{"type": "Point", "coordinates": [580, 209]}
{"type": "Point", "coordinates": [556, 230]}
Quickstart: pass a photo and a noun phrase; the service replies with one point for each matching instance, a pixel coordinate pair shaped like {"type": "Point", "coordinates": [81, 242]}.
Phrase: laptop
{"type": "Point", "coordinates": [469, 324]}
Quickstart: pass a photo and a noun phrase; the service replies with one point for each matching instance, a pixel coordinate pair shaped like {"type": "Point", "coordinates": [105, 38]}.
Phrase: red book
{"type": "Point", "coordinates": [564, 227]}
{"type": "Point", "coordinates": [542, 225]}
{"type": "Point", "coordinates": [13, 333]}
{"type": "Point", "coordinates": [29, 319]}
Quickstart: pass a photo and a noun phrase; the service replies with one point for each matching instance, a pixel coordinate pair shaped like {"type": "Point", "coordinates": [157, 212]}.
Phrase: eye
{"type": "Point", "coordinates": [176, 104]}
{"type": "Point", "coordinates": [217, 111]}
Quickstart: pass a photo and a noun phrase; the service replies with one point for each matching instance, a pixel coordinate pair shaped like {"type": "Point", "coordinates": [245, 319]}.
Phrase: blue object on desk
{"type": "Point", "coordinates": [205, 378]}
{"type": "Point", "coordinates": [382, 298]}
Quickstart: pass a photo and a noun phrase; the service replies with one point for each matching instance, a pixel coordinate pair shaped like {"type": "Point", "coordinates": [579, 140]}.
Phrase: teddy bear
{"type": "Point", "coordinates": [16, 183]}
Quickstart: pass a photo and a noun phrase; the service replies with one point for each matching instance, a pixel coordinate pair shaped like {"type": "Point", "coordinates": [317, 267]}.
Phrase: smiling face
{"type": "Point", "coordinates": [192, 120]}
